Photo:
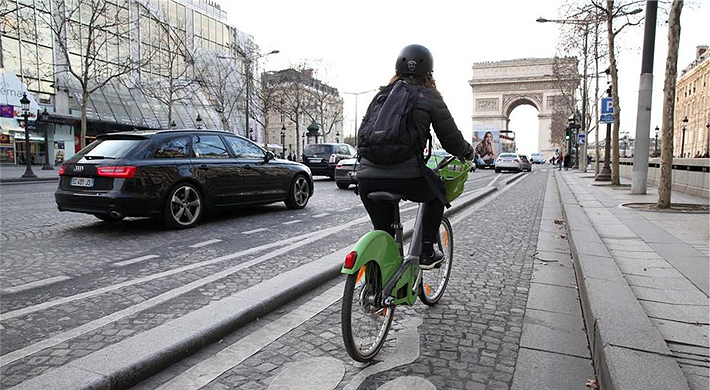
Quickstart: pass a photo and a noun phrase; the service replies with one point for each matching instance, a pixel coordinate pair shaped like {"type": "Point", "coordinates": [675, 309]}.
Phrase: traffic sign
{"type": "Point", "coordinates": [606, 118]}
{"type": "Point", "coordinates": [607, 106]}
{"type": "Point", "coordinates": [581, 139]}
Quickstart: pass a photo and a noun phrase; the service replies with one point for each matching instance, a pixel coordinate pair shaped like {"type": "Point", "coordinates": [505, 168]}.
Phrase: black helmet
{"type": "Point", "coordinates": [414, 60]}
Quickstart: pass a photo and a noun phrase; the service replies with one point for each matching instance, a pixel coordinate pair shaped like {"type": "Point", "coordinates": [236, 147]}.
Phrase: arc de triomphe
{"type": "Point", "coordinates": [501, 86]}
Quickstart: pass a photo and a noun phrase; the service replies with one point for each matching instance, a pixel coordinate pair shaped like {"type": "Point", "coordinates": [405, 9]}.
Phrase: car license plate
{"type": "Point", "coordinates": [82, 181]}
{"type": "Point", "coordinates": [315, 160]}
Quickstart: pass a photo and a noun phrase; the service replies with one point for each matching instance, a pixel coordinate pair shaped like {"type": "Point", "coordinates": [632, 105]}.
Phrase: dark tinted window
{"type": "Point", "coordinates": [342, 149]}
{"type": "Point", "coordinates": [318, 149]}
{"type": "Point", "coordinates": [111, 148]}
{"type": "Point", "coordinates": [209, 146]}
{"type": "Point", "coordinates": [173, 148]}
{"type": "Point", "coordinates": [244, 149]}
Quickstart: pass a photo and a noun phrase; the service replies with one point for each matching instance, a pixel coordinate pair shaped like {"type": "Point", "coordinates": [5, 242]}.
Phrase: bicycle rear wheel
{"type": "Point", "coordinates": [364, 322]}
{"type": "Point", "coordinates": [434, 281]}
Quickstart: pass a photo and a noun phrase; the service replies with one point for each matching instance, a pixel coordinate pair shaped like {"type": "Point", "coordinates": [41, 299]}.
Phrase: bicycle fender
{"type": "Point", "coordinates": [380, 247]}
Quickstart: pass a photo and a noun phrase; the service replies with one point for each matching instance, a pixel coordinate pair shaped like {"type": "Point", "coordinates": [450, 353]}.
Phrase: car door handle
{"type": "Point", "coordinates": [204, 167]}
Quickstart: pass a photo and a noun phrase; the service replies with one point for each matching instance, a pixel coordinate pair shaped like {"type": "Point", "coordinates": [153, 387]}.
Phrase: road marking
{"type": "Point", "coordinates": [133, 261]}
{"type": "Point", "coordinates": [494, 179]}
{"type": "Point", "coordinates": [209, 369]}
{"type": "Point", "coordinates": [259, 230]}
{"type": "Point", "coordinates": [205, 243]}
{"type": "Point", "coordinates": [35, 284]}
{"type": "Point", "coordinates": [321, 215]}
{"type": "Point", "coordinates": [291, 222]}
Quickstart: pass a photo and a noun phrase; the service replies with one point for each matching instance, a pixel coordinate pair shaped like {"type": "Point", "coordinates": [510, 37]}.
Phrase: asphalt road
{"type": "Point", "coordinates": [71, 284]}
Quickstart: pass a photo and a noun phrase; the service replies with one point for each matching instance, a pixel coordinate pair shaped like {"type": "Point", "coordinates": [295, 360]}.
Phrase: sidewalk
{"type": "Point", "coordinates": [643, 283]}
{"type": "Point", "coordinates": [11, 173]}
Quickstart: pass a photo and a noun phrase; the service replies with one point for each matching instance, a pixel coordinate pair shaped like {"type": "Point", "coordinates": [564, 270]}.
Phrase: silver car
{"type": "Point", "coordinates": [508, 162]}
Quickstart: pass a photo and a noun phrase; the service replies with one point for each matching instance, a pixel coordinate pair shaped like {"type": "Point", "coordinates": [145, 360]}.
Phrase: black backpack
{"type": "Point", "coordinates": [384, 136]}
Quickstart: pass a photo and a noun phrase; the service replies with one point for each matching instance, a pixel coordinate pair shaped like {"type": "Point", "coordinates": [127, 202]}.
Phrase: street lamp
{"type": "Point", "coordinates": [173, 125]}
{"type": "Point", "coordinates": [337, 136]}
{"type": "Point", "coordinates": [682, 140]}
{"type": "Point", "coordinates": [355, 121]}
{"type": "Point", "coordinates": [707, 135]}
{"type": "Point", "coordinates": [45, 119]}
{"type": "Point", "coordinates": [655, 149]}
{"type": "Point", "coordinates": [198, 121]}
{"type": "Point", "coordinates": [25, 103]}
{"type": "Point", "coordinates": [283, 141]}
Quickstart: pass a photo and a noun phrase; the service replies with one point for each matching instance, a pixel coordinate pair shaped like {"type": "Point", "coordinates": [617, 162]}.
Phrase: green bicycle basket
{"type": "Point", "coordinates": [453, 175]}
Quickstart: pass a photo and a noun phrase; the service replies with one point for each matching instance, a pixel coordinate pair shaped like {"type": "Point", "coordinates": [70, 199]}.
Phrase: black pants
{"type": "Point", "coordinates": [416, 190]}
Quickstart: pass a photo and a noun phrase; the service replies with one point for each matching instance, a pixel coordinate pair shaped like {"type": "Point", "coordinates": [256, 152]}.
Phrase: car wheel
{"type": "Point", "coordinates": [299, 193]}
{"type": "Point", "coordinates": [108, 217]}
{"type": "Point", "coordinates": [343, 185]}
{"type": "Point", "coordinates": [497, 170]}
{"type": "Point", "coordinates": [183, 207]}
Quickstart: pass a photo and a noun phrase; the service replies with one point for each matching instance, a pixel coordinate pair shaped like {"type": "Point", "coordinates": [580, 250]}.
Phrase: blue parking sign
{"type": "Point", "coordinates": [607, 106]}
{"type": "Point", "coordinates": [581, 139]}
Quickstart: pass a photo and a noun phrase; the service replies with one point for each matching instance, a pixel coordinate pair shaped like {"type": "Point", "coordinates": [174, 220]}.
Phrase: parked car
{"type": "Point", "coordinates": [322, 158]}
{"type": "Point", "coordinates": [508, 162]}
{"type": "Point", "coordinates": [538, 158]}
{"type": "Point", "coordinates": [526, 163]}
{"type": "Point", "coordinates": [176, 175]}
{"type": "Point", "coordinates": [346, 172]}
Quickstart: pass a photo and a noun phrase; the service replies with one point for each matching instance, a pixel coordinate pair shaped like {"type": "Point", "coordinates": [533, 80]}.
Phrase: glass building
{"type": "Point", "coordinates": [156, 47]}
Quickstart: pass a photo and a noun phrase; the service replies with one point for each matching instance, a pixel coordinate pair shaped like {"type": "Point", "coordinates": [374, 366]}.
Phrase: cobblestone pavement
{"type": "Point", "coordinates": [470, 340]}
{"type": "Point", "coordinates": [95, 302]}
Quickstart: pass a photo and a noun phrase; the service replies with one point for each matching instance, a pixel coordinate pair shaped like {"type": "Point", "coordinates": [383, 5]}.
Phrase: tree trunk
{"type": "Point", "coordinates": [615, 95]}
{"type": "Point", "coordinates": [82, 132]}
{"type": "Point", "coordinates": [665, 180]}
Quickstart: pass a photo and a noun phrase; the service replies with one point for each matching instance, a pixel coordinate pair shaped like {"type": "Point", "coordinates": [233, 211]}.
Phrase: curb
{"type": "Point", "coordinates": [32, 180]}
{"type": "Point", "coordinates": [628, 351]}
{"type": "Point", "coordinates": [126, 363]}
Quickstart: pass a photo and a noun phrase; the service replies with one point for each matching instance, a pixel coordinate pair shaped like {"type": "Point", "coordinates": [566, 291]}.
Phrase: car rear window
{"type": "Point", "coordinates": [318, 149]}
{"type": "Point", "coordinates": [111, 148]}
{"type": "Point", "coordinates": [508, 155]}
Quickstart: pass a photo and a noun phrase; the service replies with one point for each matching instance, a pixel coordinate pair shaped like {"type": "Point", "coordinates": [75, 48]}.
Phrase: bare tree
{"type": "Point", "coordinates": [223, 83]}
{"type": "Point", "coordinates": [266, 100]}
{"type": "Point", "coordinates": [293, 99]}
{"type": "Point", "coordinates": [666, 176]}
{"type": "Point", "coordinates": [86, 34]}
{"type": "Point", "coordinates": [323, 109]}
{"type": "Point", "coordinates": [168, 77]}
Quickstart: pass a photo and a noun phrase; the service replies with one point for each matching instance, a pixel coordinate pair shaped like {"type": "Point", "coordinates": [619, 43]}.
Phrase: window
{"type": "Point", "coordinates": [209, 146]}
{"type": "Point", "coordinates": [173, 148]}
{"type": "Point", "coordinates": [244, 149]}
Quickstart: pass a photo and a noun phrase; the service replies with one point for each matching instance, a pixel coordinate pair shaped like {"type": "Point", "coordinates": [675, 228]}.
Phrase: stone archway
{"type": "Point", "coordinates": [499, 87]}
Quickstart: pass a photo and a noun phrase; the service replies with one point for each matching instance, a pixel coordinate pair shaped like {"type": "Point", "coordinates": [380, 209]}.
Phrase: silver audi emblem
{"type": "Point", "coordinates": [78, 168]}
{"type": "Point", "coordinates": [411, 65]}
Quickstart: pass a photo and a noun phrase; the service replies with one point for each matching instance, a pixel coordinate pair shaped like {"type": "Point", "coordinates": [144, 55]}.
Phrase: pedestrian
{"type": "Point", "coordinates": [567, 161]}
{"type": "Point", "coordinates": [559, 161]}
{"type": "Point", "coordinates": [411, 177]}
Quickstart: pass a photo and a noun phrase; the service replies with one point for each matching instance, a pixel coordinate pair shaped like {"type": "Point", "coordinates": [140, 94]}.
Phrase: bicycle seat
{"type": "Point", "coordinates": [384, 196]}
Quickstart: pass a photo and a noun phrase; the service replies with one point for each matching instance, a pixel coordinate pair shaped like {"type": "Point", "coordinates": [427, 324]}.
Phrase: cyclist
{"type": "Point", "coordinates": [411, 177]}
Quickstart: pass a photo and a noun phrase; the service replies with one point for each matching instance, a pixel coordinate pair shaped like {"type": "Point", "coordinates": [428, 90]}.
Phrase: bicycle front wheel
{"type": "Point", "coordinates": [365, 323]}
{"type": "Point", "coordinates": [434, 281]}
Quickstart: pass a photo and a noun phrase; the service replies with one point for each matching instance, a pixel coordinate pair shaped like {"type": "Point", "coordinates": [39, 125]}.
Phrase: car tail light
{"type": "Point", "coordinates": [350, 260]}
{"type": "Point", "coordinates": [498, 159]}
{"type": "Point", "coordinates": [333, 158]}
{"type": "Point", "coordinates": [121, 172]}
{"type": "Point", "coordinates": [340, 165]}
{"type": "Point", "coordinates": [516, 160]}
{"type": "Point", "coordinates": [62, 169]}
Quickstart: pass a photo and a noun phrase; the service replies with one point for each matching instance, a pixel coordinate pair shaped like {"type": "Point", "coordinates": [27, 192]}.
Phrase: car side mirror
{"type": "Point", "coordinates": [269, 156]}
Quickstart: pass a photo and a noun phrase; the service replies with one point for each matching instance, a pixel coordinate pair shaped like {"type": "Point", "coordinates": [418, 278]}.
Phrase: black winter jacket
{"type": "Point", "coordinates": [429, 110]}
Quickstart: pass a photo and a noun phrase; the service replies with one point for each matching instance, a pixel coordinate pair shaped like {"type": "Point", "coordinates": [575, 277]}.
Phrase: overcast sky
{"type": "Point", "coordinates": [356, 44]}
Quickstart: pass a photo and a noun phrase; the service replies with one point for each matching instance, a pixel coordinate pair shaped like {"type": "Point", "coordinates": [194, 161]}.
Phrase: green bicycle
{"type": "Point", "coordinates": [380, 277]}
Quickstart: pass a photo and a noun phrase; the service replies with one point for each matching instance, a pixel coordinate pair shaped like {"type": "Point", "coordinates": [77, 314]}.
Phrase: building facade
{"type": "Point", "coordinates": [150, 68]}
{"type": "Point", "coordinates": [691, 130]}
{"type": "Point", "coordinates": [299, 110]}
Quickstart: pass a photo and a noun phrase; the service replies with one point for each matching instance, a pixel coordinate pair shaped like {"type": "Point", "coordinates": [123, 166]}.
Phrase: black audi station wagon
{"type": "Point", "coordinates": [176, 175]}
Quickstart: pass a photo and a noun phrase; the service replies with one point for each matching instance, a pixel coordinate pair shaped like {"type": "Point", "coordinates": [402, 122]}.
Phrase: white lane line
{"type": "Point", "coordinates": [259, 230]}
{"type": "Point", "coordinates": [494, 179]}
{"type": "Point", "coordinates": [291, 222]}
{"type": "Point", "coordinates": [157, 300]}
{"type": "Point", "coordinates": [205, 243]}
{"type": "Point", "coordinates": [321, 215]}
{"type": "Point", "coordinates": [209, 369]}
{"type": "Point", "coordinates": [35, 284]}
{"type": "Point", "coordinates": [133, 261]}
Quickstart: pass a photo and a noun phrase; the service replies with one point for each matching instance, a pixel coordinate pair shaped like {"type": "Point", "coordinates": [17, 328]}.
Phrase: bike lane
{"type": "Point", "coordinates": [510, 317]}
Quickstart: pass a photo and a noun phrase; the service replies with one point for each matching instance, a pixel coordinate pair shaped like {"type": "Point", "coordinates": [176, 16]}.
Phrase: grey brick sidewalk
{"type": "Point", "coordinates": [10, 173]}
{"type": "Point", "coordinates": [644, 285]}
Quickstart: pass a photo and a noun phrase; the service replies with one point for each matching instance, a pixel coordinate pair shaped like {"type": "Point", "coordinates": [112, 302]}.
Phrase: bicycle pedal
{"type": "Point", "coordinates": [388, 301]}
